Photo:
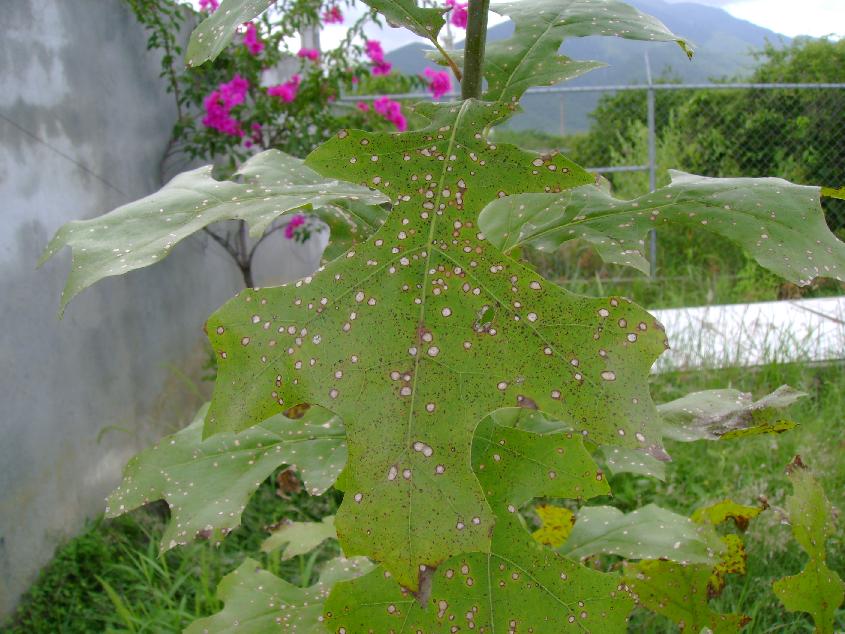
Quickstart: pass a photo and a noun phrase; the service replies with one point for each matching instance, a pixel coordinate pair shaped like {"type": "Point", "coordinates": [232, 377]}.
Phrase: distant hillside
{"type": "Point", "coordinates": [723, 46]}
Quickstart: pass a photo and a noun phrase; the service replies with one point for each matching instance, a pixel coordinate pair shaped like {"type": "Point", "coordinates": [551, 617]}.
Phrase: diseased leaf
{"type": "Point", "coordinates": [299, 538]}
{"type": "Point", "coordinates": [779, 223]}
{"type": "Point", "coordinates": [649, 532]}
{"type": "Point", "coordinates": [257, 601]}
{"type": "Point", "coordinates": [732, 561]}
{"type": "Point", "coordinates": [717, 414]}
{"type": "Point", "coordinates": [417, 334]}
{"type": "Point", "coordinates": [215, 32]}
{"type": "Point", "coordinates": [627, 460]}
{"type": "Point", "coordinates": [680, 593]}
{"type": "Point", "coordinates": [144, 232]}
{"type": "Point", "coordinates": [817, 589]}
{"type": "Point", "coordinates": [207, 483]}
{"type": "Point", "coordinates": [520, 585]}
{"type": "Point", "coordinates": [556, 524]}
{"type": "Point", "coordinates": [425, 22]}
{"type": "Point", "coordinates": [721, 512]}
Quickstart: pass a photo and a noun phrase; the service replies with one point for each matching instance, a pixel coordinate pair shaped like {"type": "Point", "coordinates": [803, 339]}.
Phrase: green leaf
{"type": "Point", "coordinates": [257, 601]}
{"type": "Point", "coordinates": [529, 57]}
{"type": "Point", "coordinates": [207, 483]}
{"type": "Point", "coordinates": [817, 590]}
{"type": "Point", "coordinates": [781, 225]}
{"type": "Point", "coordinates": [627, 460]}
{"type": "Point", "coordinates": [144, 232]}
{"type": "Point", "coordinates": [519, 585]}
{"type": "Point", "coordinates": [417, 334]}
{"type": "Point", "coordinates": [425, 22]}
{"type": "Point", "coordinates": [717, 414]}
{"type": "Point", "coordinates": [650, 532]}
{"type": "Point", "coordinates": [299, 538]}
{"type": "Point", "coordinates": [680, 593]}
{"type": "Point", "coordinates": [215, 32]}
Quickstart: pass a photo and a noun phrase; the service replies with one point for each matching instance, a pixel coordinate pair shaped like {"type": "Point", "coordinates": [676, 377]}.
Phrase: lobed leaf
{"type": "Point", "coordinates": [299, 538]}
{"type": "Point", "coordinates": [216, 31]}
{"type": "Point", "coordinates": [417, 334]}
{"type": "Point", "coordinates": [207, 483]}
{"type": "Point", "coordinates": [257, 601]}
{"type": "Point", "coordinates": [144, 232]}
{"type": "Point", "coordinates": [679, 592]}
{"type": "Point", "coordinates": [779, 223]}
{"type": "Point", "coordinates": [717, 414]}
{"type": "Point", "coordinates": [817, 589]}
{"type": "Point", "coordinates": [423, 21]}
{"type": "Point", "coordinates": [519, 585]}
{"type": "Point", "coordinates": [649, 532]}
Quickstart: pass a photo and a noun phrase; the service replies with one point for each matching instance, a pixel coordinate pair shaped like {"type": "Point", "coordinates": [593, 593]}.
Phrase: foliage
{"type": "Point", "coordinates": [427, 328]}
{"type": "Point", "coordinates": [817, 589]}
{"type": "Point", "coordinates": [144, 232]}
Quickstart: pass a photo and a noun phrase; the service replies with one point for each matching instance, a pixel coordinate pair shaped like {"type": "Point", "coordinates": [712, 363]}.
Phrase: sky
{"type": "Point", "coordinates": [788, 17]}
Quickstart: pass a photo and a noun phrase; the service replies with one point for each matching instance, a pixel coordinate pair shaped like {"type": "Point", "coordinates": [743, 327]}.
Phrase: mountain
{"type": "Point", "coordinates": [723, 46]}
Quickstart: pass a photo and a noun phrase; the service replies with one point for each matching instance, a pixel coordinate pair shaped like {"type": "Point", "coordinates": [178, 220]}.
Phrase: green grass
{"type": "Point", "coordinates": [112, 578]}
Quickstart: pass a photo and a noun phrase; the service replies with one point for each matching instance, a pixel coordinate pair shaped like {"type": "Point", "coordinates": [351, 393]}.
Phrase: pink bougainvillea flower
{"type": "Point", "coordinates": [332, 15]}
{"type": "Point", "coordinates": [286, 91]}
{"type": "Point", "coordinates": [309, 53]}
{"type": "Point", "coordinates": [376, 55]}
{"type": "Point", "coordinates": [363, 106]}
{"type": "Point", "coordinates": [354, 80]}
{"type": "Point", "coordinates": [439, 82]}
{"type": "Point", "coordinates": [392, 111]}
{"type": "Point", "coordinates": [209, 5]}
{"type": "Point", "coordinates": [218, 106]}
{"type": "Point", "coordinates": [290, 229]}
{"type": "Point", "coordinates": [459, 13]}
{"type": "Point", "coordinates": [253, 44]}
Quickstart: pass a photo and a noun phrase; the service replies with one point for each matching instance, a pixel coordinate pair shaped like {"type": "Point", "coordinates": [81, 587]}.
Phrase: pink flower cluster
{"type": "Point", "coordinates": [290, 229]}
{"type": "Point", "coordinates": [209, 5]}
{"type": "Point", "coordinates": [392, 111]}
{"type": "Point", "coordinates": [459, 13]}
{"type": "Point", "coordinates": [376, 54]}
{"type": "Point", "coordinates": [332, 15]}
{"type": "Point", "coordinates": [439, 82]}
{"type": "Point", "coordinates": [219, 104]}
{"type": "Point", "coordinates": [309, 53]}
{"type": "Point", "coordinates": [251, 41]}
{"type": "Point", "coordinates": [286, 91]}
{"type": "Point", "coordinates": [255, 137]}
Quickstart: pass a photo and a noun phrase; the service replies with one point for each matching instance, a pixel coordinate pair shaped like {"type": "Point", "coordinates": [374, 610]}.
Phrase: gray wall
{"type": "Point", "coordinates": [84, 120]}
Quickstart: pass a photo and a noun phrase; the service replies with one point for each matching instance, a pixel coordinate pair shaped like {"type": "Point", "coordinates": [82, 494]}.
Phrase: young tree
{"type": "Point", "coordinates": [448, 384]}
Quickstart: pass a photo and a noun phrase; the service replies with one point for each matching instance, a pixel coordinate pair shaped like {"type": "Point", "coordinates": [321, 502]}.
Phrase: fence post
{"type": "Point", "coordinates": [652, 163]}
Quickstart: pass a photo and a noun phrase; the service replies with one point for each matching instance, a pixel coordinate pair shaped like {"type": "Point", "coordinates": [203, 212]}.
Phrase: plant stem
{"type": "Point", "coordinates": [474, 48]}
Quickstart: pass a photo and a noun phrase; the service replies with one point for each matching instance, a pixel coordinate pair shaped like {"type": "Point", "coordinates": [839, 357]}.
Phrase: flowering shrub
{"type": "Point", "coordinates": [440, 83]}
{"type": "Point", "coordinates": [376, 55]}
{"type": "Point", "coordinates": [392, 111]}
{"type": "Point", "coordinates": [458, 14]}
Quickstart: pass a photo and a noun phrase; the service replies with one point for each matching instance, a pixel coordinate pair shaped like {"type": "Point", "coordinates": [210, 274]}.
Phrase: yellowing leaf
{"type": "Point", "coordinates": [556, 525]}
{"type": "Point", "coordinates": [721, 512]}
{"type": "Point", "coordinates": [732, 561]}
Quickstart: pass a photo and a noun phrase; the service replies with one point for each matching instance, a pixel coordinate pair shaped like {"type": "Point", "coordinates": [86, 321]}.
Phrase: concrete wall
{"type": "Point", "coordinates": [84, 121]}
